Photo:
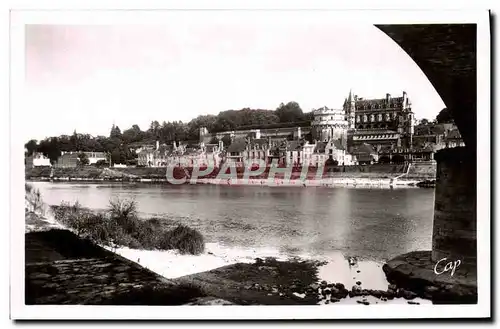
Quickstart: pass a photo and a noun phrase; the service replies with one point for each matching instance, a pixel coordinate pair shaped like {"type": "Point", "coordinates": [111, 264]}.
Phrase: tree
{"type": "Point", "coordinates": [31, 147]}
{"type": "Point", "coordinates": [115, 132]}
{"type": "Point", "coordinates": [132, 135]}
{"type": "Point", "coordinates": [444, 116]}
{"type": "Point", "coordinates": [291, 112]}
{"type": "Point", "coordinates": [424, 122]}
{"type": "Point", "coordinates": [83, 159]}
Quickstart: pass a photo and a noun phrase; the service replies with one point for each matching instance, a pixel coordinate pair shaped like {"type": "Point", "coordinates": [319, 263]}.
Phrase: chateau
{"type": "Point", "coordinates": [387, 124]}
{"type": "Point", "coordinates": [364, 131]}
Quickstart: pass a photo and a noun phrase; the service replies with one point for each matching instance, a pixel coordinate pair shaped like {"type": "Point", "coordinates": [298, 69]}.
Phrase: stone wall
{"type": "Point", "coordinates": [454, 233]}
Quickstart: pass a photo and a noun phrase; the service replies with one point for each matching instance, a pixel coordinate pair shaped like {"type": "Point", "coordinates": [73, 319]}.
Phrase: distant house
{"type": "Point", "coordinates": [336, 152]}
{"type": "Point", "coordinates": [235, 153]}
{"type": "Point", "coordinates": [68, 160]}
{"type": "Point", "coordinates": [37, 160]}
{"type": "Point", "coordinates": [453, 139]}
{"type": "Point", "coordinates": [94, 157]}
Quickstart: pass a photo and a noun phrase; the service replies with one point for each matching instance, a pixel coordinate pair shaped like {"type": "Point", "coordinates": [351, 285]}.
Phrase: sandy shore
{"type": "Point", "coordinates": [171, 264]}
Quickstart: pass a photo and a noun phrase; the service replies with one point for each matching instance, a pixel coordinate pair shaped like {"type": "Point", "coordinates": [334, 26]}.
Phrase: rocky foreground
{"type": "Point", "coordinates": [272, 282]}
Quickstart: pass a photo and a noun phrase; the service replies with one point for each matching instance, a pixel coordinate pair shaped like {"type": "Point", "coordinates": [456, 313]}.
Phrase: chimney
{"type": "Point", "coordinates": [405, 99]}
{"type": "Point", "coordinates": [157, 145]}
{"type": "Point", "coordinates": [388, 97]}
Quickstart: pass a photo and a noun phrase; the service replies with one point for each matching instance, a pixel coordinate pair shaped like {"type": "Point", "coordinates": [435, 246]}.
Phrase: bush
{"type": "Point", "coordinates": [123, 211]}
{"type": "Point", "coordinates": [33, 200]}
{"type": "Point", "coordinates": [120, 226]}
{"type": "Point", "coordinates": [183, 238]}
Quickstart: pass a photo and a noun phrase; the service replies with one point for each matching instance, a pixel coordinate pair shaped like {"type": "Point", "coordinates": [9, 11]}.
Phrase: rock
{"type": "Point", "coordinates": [314, 286]}
{"type": "Point", "coordinates": [376, 293]}
{"type": "Point", "coordinates": [390, 293]}
{"type": "Point", "coordinates": [431, 289]}
{"type": "Point", "coordinates": [334, 290]}
{"type": "Point", "coordinates": [358, 283]}
{"type": "Point", "coordinates": [406, 294]}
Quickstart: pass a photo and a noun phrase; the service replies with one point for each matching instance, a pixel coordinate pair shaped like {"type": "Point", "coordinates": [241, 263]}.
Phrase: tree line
{"type": "Point", "coordinates": [117, 144]}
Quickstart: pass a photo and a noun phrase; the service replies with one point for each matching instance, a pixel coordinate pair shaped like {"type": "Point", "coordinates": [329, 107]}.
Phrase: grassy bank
{"type": "Point", "coordinates": [120, 225]}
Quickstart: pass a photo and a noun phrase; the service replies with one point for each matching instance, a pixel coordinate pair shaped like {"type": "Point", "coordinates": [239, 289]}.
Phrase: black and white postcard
{"type": "Point", "coordinates": [188, 164]}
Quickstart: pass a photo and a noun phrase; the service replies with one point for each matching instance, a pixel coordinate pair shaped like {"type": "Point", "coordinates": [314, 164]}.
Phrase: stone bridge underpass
{"type": "Point", "coordinates": [446, 53]}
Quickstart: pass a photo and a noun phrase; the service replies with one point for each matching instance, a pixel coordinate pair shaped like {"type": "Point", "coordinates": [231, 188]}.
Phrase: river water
{"type": "Point", "coordinates": [371, 224]}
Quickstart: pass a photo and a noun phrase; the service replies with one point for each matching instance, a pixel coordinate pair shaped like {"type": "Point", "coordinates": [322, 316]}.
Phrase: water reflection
{"type": "Point", "coordinates": [373, 223]}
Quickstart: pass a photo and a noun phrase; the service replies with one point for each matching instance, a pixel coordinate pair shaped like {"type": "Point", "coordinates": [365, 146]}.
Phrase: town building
{"type": "Point", "coordinates": [37, 160]}
{"type": "Point", "coordinates": [94, 157]}
{"type": "Point", "coordinates": [68, 160]}
{"type": "Point", "coordinates": [180, 155]}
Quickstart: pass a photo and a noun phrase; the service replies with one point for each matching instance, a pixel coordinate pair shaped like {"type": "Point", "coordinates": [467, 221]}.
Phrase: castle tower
{"type": "Point", "coordinates": [350, 110]}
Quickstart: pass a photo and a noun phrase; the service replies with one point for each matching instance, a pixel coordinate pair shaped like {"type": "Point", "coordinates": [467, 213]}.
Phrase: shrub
{"type": "Point", "coordinates": [120, 226]}
{"type": "Point", "coordinates": [33, 200]}
{"type": "Point", "coordinates": [124, 211]}
{"type": "Point", "coordinates": [183, 238]}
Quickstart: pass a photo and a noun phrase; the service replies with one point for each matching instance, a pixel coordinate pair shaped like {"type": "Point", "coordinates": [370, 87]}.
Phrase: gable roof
{"type": "Point", "coordinates": [320, 147]}
{"type": "Point", "coordinates": [364, 149]}
{"type": "Point", "coordinates": [337, 143]}
{"type": "Point", "coordinates": [238, 145]}
{"type": "Point", "coordinates": [454, 134]}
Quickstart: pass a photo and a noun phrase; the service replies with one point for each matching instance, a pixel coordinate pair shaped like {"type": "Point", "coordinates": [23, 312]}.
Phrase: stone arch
{"type": "Point", "coordinates": [446, 53]}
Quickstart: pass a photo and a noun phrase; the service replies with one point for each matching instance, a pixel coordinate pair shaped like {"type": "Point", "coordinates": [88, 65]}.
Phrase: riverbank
{"type": "Point", "coordinates": [226, 272]}
{"type": "Point", "coordinates": [234, 276]}
{"type": "Point", "coordinates": [386, 175]}
{"type": "Point", "coordinates": [382, 182]}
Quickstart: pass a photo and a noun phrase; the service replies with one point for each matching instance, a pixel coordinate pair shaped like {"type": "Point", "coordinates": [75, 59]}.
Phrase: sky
{"type": "Point", "coordinates": [91, 77]}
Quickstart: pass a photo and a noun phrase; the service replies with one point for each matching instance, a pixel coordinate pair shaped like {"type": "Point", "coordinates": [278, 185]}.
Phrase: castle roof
{"type": "Point", "coordinates": [374, 132]}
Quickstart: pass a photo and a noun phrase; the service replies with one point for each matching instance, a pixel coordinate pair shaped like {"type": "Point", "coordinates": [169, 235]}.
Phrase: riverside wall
{"type": "Point", "coordinates": [359, 174]}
